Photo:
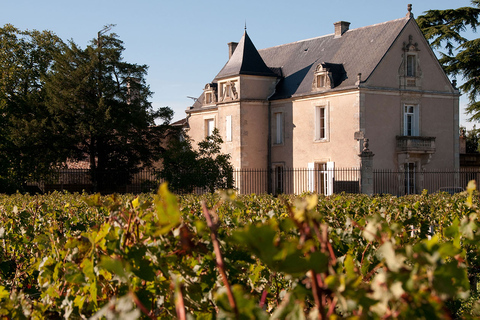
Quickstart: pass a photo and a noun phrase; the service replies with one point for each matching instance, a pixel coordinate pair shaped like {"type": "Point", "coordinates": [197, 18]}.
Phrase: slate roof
{"type": "Point", "coordinates": [356, 51]}
{"type": "Point", "coordinates": [245, 60]}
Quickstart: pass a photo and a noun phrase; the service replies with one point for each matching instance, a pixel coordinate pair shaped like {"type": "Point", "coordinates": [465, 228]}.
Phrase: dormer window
{"type": "Point", "coordinates": [210, 94]}
{"type": "Point", "coordinates": [322, 78]}
{"type": "Point", "coordinates": [320, 81]}
{"type": "Point", "coordinates": [208, 98]}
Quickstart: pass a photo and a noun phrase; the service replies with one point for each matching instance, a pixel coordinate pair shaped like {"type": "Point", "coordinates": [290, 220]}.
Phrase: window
{"type": "Point", "coordinates": [321, 123]}
{"type": "Point", "coordinates": [208, 98]}
{"type": "Point", "coordinates": [410, 121]}
{"type": "Point", "coordinates": [322, 78]}
{"type": "Point", "coordinates": [321, 177]}
{"type": "Point", "coordinates": [209, 127]}
{"type": "Point", "coordinates": [411, 65]}
{"type": "Point", "coordinates": [228, 128]}
{"type": "Point", "coordinates": [409, 178]}
{"type": "Point", "coordinates": [210, 93]}
{"type": "Point", "coordinates": [278, 128]}
{"type": "Point", "coordinates": [411, 74]}
{"type": "Point", "coordinates": [278, 178]}
{"type": "Point", "coordinates": [320, 81]}
{"type": "Point", "coordinates": [228, 89]}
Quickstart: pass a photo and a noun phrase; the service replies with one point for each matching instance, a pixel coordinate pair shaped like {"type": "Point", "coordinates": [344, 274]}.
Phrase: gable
{"type": "Point", "coordinates": [392, 67]}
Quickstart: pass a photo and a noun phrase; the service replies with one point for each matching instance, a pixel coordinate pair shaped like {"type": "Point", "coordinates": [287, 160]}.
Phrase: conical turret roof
{"type": "Point", "coordinates": [245, 60]}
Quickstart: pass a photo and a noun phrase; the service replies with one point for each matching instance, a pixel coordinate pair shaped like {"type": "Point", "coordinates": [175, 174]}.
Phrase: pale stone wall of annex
{"type": "Point", "coordinates": [301, 147]}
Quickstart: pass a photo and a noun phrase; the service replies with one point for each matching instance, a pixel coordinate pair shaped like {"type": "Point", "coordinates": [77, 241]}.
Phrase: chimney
{"type": "Point", "coordinates": [340, 28]}
{"type": "Point", "coordinates": [231, 48]}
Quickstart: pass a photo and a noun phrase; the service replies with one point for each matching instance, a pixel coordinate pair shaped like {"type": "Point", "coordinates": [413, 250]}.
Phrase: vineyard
{"type": "Point", "coordinates": [224, 256]}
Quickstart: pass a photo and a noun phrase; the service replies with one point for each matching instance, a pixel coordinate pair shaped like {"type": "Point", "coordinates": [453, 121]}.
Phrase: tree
{"type": "Point", "coordinates": [207, 168]}
{"type": "Point", "coordinates": [102, 113]}
{"type": "Point", "coordinates": [472, 139]}
{"type": "Point", "coordinates": [25, 136]}
{"type": "Point", "coordinates": [444, 29]}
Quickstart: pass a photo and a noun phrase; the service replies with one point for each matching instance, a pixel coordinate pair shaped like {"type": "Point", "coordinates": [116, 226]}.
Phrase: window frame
{"type": "Point", "coordinates": [279, 128]}
{"type": "Point", "coordinates": [278, 177]}
{"type": "Point", "coordinates": [321, 123]}
{"type": "Point", "coordinates": [208, 131]}
{"type": "Point", "coordinates": [411, 69]}
{"type": "Point", "coordinates": [411, 120]}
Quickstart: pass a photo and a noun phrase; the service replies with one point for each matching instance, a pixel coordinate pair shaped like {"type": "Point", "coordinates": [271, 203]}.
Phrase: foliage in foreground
{"type": "Point", "coordinates": [249, 257]}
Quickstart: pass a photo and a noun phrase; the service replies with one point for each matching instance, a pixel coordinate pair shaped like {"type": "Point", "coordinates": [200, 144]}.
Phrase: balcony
{"type": "Point", "coordinates": [411, 144]}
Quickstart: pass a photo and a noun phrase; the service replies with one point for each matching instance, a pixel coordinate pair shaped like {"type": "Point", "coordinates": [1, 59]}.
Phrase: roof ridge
{"type": "Point", "coordinates": [332, 34]}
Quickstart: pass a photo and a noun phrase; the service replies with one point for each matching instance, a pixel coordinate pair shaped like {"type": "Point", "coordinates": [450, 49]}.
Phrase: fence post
{"type": "Point", "coordinates": [366, 169]}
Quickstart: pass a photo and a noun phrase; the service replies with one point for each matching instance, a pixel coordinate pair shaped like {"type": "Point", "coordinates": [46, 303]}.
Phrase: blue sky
{"type": "Point", "coordinates": [184, 43]}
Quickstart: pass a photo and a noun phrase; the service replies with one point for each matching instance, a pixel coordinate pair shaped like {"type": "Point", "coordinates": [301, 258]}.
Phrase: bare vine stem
{"type": "Point", "coordinates": [219, 259]}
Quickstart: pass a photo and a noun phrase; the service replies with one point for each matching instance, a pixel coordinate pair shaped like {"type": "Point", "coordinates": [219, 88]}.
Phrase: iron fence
{"type": "Point", "coordinates": [280, 180]}
{"type": "Point", "coordinates": [414, 182]}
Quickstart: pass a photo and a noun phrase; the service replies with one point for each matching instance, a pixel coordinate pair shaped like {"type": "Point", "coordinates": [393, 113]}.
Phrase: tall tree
{"type": "Point", "coordinates": [25, 136]}
{"type": "Point", "coordinates": [446, 29]}
{"type": "Point", "coordinates": [101, 110]}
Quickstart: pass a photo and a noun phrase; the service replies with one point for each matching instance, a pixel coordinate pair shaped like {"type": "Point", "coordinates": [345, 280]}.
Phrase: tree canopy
{"type": "Point", "coordinates": [25, 126]}
{"type": "Point", "coordinates": [102, 110]}
{"type": "Point", "coordinates": [59, 101]}
{"type": "Point", "coordinates": [445, 29]}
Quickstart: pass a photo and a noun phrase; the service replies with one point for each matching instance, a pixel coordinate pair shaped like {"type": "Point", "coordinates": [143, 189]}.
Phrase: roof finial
{"type": "Point", "coordinates": [409, 13]}
{"type": "Point", "coordinates": [245, 24]}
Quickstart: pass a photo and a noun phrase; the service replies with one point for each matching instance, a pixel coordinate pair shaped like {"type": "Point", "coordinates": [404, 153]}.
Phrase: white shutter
{"type": "Point", "coordinates": [330, 176]}
{"type": "Point", "coordinates": [311, 176]}
{"type": "Point", "coordinates": [211, 126]}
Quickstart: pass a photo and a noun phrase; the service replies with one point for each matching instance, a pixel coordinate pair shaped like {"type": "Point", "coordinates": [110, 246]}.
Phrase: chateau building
{"type": "Point", "coordinates": [311, 103]}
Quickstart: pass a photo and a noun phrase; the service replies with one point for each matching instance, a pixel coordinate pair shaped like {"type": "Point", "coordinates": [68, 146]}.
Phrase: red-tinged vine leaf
{"type": "Point", "coordinates": [168, 212]}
